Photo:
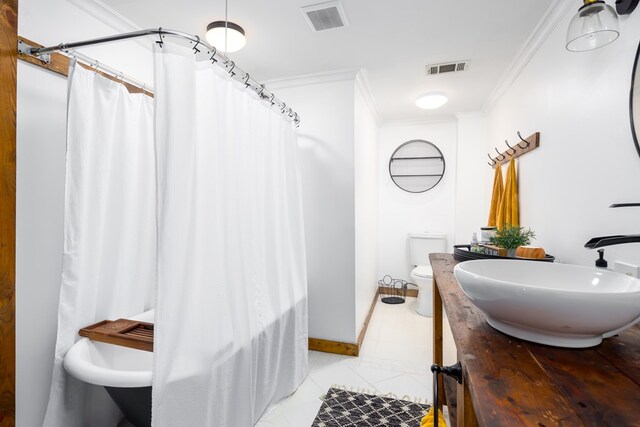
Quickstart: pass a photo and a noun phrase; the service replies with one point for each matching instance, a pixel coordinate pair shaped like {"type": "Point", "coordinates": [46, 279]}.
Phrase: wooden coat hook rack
{"type": "Point", "coordinates": [522, 147]}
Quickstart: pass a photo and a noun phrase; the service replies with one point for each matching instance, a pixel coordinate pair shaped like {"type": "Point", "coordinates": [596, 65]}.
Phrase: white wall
{"type": "Point", "coordinates": [326, 161]}
{"type": "Point", "coordinates": [579, 102]}
{"type": "Point", "coordinates": [366, 201]}
{"type": "Point", "coordinates": [39, 211]}
{"type": "Point", "coordinates": [401, 212]}
{"type": "Point", "coordinates": [472, 193]}
{"type": "Point", "coordinates": [41, 123]}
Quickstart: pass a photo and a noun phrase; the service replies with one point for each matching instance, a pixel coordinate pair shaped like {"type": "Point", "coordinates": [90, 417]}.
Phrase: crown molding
{"type": "Point", "coordinates": [471, 115]}
{"type": "Point", "coordinates": [362, 83]}
{"type": "Point", "coordinates": [311, 79]}
{"type": "Point", "coordinates": [108, 16]}
{"type": "Point", "coordinates": [447, 118]}
{"type": "Point", "coordinates": [550, 20]}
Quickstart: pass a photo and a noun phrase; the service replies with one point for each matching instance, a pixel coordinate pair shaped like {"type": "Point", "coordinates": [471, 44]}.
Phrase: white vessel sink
{"type": "Point", "coordinates": [550, 303]}
{"type": "Point", "coordinates": [110, 365]}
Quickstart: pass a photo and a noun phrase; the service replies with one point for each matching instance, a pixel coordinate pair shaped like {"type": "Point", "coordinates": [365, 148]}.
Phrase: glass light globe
{"type": "Point", "coordinates": [432, 100]}
{"type": "Point", "coordinates": [594, 26]}
{"type": "Point", "coordinates": [218, 31]}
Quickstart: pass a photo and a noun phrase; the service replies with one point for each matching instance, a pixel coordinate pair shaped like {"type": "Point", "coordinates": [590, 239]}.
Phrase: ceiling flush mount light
{"type": "Point", "coordinates": [226, 36]}
{"type": "Point", "coordinates": [431, 100]}
{"type": "Point", "coordinates": [596, 24]}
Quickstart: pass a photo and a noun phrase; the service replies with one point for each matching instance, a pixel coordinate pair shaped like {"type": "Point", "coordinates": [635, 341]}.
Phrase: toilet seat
{"type": "Point", "coordinates": [422, 276]}
{"type": "Point", "coordinates": [423, 271]}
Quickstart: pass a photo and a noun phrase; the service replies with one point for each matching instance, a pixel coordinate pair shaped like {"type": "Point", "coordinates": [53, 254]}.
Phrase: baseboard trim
{"type": "Point", "coordinates": [343, 348]}
{"type": "Point", "coordinates": [390, 291]}
{"type": "Point", "coordinates": [363, 331]}
{"type": "Point", "coordinates": [335, 347]}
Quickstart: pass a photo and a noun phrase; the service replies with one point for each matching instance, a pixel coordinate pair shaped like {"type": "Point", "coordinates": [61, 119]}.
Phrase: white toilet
{"type": "Point", "coordinates": [420, 246]}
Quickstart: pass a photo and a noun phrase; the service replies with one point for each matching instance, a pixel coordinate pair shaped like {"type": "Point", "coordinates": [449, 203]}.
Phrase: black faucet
{"type": "Point", "coordinates": [599, 242]}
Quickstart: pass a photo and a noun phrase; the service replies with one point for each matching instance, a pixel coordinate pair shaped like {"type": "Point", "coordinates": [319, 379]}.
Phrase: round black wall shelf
{"type": "Point", "coordinates": [416, 166]}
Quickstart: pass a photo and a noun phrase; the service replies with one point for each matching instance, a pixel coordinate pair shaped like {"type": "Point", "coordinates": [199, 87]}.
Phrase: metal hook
{"type": "Point", "coordinates": [500, 155]}
{"type": "Point", "coordinates": [493, 161]}
{"type": "Point", "coordinates": [271, 100]}
{"type": "Point", "coordinates": [524, 140]}
{"type": "Point", "coordinates": [96, 65]}
{"type": "Point", "coordinates": [261, 90]}
{"type": "Point", "coordinates": [213, 56]}
{"type": "Point", "coordinates": [510, 148]}
{"type": "Point", "coordinates": [284, 107]}
{"type": "Point", "coordinates": [160, 42]}
{"type": "Point", "coordinates": [195, 47]}
{"type": "Point", "coordinates": [246, 80]}
{"type": "Point", "coordinates": [290, 113]}
{"type": "Point", "coordinates": [233, 65]}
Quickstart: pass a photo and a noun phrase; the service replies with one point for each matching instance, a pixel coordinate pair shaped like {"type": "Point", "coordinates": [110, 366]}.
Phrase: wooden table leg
{"type": "Point", "coordinates": [465, 414]}
{"type": "Point", "coordinates": [437, 338]}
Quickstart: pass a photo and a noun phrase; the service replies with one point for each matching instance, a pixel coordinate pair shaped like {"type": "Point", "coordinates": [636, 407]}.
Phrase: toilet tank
{"type": "Point", "coordinates": [422, 244]}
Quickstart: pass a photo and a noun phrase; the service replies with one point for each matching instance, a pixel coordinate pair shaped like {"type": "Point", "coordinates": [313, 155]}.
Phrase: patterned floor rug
{"type": "Point", "coordinates": [342, 408]}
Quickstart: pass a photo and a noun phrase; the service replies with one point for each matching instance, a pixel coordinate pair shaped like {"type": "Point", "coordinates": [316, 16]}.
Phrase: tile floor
{"type": "Point", "coordinates": [395, 358]}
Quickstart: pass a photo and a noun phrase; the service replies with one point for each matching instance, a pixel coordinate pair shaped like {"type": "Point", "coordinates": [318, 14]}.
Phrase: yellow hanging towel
{"type": "Point", "coordinates": [509, 211]}
{"type": "Point", "coordinates": [428, 420]}
{"type": "Point", "coordinates": [496, 196]}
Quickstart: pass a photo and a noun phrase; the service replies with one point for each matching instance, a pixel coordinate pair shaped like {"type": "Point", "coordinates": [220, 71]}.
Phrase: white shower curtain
{"type": "Point", "coordinates": [109, 230]}
{"type": "Point", "coordinates": [231, 308]}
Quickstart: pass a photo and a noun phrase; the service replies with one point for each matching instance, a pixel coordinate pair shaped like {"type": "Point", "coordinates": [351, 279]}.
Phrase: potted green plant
{"type": "Point", "coordinates": [512, 236]}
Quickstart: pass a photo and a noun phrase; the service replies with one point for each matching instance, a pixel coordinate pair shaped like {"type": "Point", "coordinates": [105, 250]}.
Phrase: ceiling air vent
{"type": "Point", "coordinates": [324, 16]}
{"type": "Point", "coordinates": [449, 67]}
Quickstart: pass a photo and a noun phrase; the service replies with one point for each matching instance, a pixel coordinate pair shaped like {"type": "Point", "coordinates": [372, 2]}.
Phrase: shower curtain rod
{"type": "Point", "coordinates": [214, 56]}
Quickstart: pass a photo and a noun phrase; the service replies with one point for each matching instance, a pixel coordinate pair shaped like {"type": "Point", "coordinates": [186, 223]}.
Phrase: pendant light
{"type": "Point", "coordinates": [225, 35]}
{"type": "Point", "coordinates": [596, 24]}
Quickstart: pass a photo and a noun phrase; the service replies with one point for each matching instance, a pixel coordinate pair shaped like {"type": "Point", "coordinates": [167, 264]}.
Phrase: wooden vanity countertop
{"type": "Point", "coordinates": [512, 382]}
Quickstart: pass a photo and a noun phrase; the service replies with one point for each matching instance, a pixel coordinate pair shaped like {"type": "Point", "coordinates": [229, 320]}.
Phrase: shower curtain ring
{"type": "Point", "coordinates": [213, 55]}
{"type": "Point", "coordinates": [233, 65]}
{"type": "Point", "coordinates": [500, 155]}
{"type": "Point", "coordinates": [159, 41]}
{"type": "Point", "coordinates": [510, 147]}
{"type": "Point", "coordinates": [195, 47]}
{"type": "Point", "coordinates": [246, 80]}
{"type": "Point", "coordinates": [524, 140]}
{"type": "Point", "coordinates": [96, 65]}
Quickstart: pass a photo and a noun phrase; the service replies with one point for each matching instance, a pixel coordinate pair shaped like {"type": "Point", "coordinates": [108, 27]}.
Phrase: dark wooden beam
{"type": "Point", "coordinates": [8, 71]}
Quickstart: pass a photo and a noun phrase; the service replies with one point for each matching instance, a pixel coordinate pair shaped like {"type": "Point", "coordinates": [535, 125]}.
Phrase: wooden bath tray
{"type": "Point", "coordinates": [123, 332]}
